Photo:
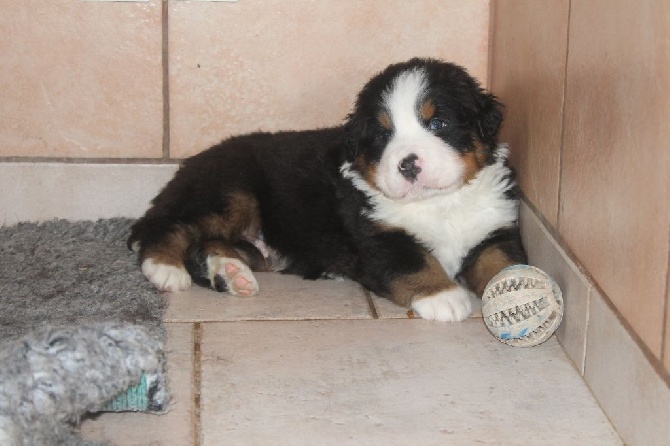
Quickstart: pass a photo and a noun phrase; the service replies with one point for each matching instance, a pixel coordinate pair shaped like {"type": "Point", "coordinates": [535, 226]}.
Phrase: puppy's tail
{"type": "Point", "coordinates": [133, 242]}
{"type": "Point", "coordinates": [147, 230]}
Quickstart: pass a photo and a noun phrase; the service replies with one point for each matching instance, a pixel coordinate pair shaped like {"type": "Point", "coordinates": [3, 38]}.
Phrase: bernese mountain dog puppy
{"type": "Point", "coordinates": [412, 197]}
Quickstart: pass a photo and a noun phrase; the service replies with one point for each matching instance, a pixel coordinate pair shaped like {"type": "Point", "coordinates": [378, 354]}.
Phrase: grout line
{"type": "Point", "coordinates": [490, 58]}
{"type": "Point", "coordinates": [586, 382]}
{"type": "Point", "coordinates": [589, 295]}
{"type": "Point", "coordinates": [64, 160]}
{"type": "Point", "coordinates": [166, 80]}
{"type": "Point", "coordinates": [561, 146]}
{"type": "Point", "coordinates": [178, 320]}
{"type": "Point", "coordinates": [371, 304]}
{"type": "Point", "coordinates": [665, 348]}
{"type": "Point", "coordinates": [197, 383]}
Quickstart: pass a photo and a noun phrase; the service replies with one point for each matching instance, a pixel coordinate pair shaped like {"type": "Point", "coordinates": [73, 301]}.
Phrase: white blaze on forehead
{"type": "Point", "coordinates": [403, 97]}
{"type": "Point", "coordinates": [440, 169]}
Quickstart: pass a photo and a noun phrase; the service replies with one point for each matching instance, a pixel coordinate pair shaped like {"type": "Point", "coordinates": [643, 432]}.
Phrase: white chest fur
{"type": "Point", "coordinates": [449, 224]}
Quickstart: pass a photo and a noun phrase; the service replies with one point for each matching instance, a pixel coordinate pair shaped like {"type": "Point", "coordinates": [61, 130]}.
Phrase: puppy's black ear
{"type": "Point", "coordinates": [490, 117]}
{"type": "Point", "coordinates": [354, 131]}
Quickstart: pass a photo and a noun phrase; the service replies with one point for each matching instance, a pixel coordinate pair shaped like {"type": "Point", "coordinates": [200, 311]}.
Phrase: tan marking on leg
{"type": "Point", "coordinates": [241, 217]}
{"type": "Point", "coordinates": [490, 262]}
{"type": "Point", "coordinates": [173, 247]}
{"type": "Point", "coordinates": [219, 248]}
{"type": "Point", "coordinates": [244, 251]}
{"type": "Point", "coordinates": [430, 280]}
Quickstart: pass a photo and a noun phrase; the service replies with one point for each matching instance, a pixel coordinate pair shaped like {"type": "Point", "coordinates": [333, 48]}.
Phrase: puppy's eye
{"type": "Point", "coordinates": [436, 124]}
{"type": "Point", "coordinates": [382, 137]}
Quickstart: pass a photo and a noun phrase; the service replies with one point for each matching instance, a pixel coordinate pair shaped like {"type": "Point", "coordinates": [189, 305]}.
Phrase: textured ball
{"type": "Point", "coordinates": [522, 306]}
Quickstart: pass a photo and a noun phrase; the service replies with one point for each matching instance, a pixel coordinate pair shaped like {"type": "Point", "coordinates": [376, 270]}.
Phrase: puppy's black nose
{"type": "Point", "coordinates": [408, 167]}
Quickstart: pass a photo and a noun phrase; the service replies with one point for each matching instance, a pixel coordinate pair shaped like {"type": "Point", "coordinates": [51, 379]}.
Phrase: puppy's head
{"type": "Point", "coordinates": [422, 128]}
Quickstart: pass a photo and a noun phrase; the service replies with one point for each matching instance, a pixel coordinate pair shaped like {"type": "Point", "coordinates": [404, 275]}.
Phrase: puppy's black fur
{"type": "Point", "coordinates": [286, 191]}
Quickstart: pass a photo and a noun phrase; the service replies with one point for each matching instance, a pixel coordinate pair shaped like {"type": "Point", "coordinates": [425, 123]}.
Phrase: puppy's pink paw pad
{"type": "Point", "coordinates": [239, 279]}
{"type": "Point", "coordinates": [231, 268]}
{"type": "Point", "coordinates": [241, 282]}
{"type": "Point", "coordinates": [244, 293]}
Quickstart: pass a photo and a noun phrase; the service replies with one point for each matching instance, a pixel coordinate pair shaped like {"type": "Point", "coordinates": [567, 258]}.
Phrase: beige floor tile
{"type": "Point", "coordinates": [172, 428]}
{"type": "Point", "coordinates": [388, 310]}
{"type": "Point", "coordinates": [544, 253]}
{"type": "Point", "coordinates": [389, 382]}
{"type": "Point", "coordinates": [635, 398]}
{"type": "Point", "coordinates": [282, 297]}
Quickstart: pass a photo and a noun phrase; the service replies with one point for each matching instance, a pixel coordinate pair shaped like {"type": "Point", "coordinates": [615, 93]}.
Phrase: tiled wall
{"type": "Point", "coordinates": [586, 84]}
{"type": "Point", "coordinates": [587, 89]}
{"type": "Point", "coordinates": [295, 64]}
{"type": "Point", "coordinates": [94, 92]}
{"type": "Point", "coordinates": [80, 79]}
{"type": "Point", "coordinates": [91, 79]}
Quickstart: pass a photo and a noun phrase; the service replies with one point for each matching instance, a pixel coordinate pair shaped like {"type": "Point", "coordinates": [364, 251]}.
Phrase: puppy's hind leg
{"type": "Point", "coordinates": [173, 245]}
{"type": "Point", "coordinates": [225, 267]}
{"type": "Point", "coordinates": [161, 253]}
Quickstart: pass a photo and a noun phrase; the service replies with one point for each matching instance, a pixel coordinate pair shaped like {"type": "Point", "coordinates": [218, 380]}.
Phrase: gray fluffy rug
{"type": "Point", "coordinates": [63, 273]}
{"type": "Point", "coordinates": [53, 376]}
{"type": "Point", "coordinates": [78, 324]}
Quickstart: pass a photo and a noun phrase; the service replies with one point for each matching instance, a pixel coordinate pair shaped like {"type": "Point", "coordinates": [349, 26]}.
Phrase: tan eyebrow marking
{"type": "Point", "coordinates": [384, 120]}
{"type": "Point", "coordinates": [427, 110]}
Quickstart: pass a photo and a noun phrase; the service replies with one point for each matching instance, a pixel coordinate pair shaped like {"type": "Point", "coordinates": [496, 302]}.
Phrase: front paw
{"type": "Point", "coordinates": [451, 305]}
